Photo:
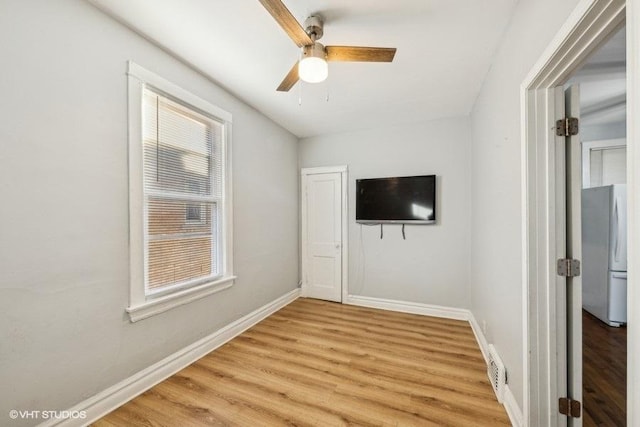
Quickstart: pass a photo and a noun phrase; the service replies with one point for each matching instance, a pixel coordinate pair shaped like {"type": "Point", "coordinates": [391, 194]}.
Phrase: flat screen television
{"type": "Point", "coordinates": [399, 200]}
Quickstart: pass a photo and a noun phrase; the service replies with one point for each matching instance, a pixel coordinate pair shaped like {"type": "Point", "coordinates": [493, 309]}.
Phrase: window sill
{"type": "Point", "coordinates": [159, 305]}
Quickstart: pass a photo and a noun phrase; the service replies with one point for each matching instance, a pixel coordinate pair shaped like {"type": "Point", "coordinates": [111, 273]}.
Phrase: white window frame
{"type": "Point", "coordinates": [588, 147]}
{"type": "Point", "coordinates": [141, 303]}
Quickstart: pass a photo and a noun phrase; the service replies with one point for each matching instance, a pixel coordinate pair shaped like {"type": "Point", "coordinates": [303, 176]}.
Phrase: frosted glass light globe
{"type": "Point", "coordinates": [313, 70]}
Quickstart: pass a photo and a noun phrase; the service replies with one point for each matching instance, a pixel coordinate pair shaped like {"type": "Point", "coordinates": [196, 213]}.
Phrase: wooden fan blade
{"type": "Point", "coordinates": [291, 79]}
{"type": "Point", "coordinates": [281, 14]}
{"type": "Point", "coordinates": [360, 53]}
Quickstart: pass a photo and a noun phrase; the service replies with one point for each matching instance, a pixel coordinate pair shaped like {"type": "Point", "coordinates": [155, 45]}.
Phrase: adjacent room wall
{"type": "Point", "coordinates": [431, 265]}
{"type": "Point", "coordinates": [64, 334]}
{"type": "Point", "coordinates": [496, 224]}
{"type": "Point", "coordinates": [599, 132]}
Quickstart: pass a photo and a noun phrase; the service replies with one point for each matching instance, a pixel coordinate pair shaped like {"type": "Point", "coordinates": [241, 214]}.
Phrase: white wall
{"type": "Point", "coordinates": [431, 265]}
{"type": "Point", "coordinates": [496, 244]}
{"type": "Point", "coordinates": [603, 131]}
{"type": "Point", "coordinates": [64, 334]}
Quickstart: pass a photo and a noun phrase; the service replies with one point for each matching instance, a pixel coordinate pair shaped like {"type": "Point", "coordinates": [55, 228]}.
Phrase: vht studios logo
{"type": "Point", "coordinates": [15, 414]}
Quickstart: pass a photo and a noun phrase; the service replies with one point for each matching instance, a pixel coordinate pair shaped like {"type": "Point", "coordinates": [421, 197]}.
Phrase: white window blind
{"type": "Point", "coordinates": [183, 194]}
{"type": "Point", "coordinates": [608, 166]}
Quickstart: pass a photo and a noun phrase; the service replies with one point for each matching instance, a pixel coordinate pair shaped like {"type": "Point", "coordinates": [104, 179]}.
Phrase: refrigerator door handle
{"type": "Point", "coordinates": [616, 229]}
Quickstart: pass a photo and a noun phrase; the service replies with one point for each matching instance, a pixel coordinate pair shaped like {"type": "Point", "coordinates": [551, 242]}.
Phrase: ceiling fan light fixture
{"type": "Point", "coordinates": [313, 67]}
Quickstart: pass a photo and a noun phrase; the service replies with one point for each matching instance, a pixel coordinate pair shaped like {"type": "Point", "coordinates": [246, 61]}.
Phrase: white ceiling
{"type": "Point", "coordinates": [444, 51]}
{"type": "Point", "coordinates": [602, 82]}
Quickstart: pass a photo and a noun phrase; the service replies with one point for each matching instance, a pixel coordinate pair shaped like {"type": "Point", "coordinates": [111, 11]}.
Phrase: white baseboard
{"type": "Point", "coordinates": [115, 396]}
{"type": "Point", "coordinates": [513, 409]}
{"type": "Point", "coordinates": [482, 340]}
{"type": "Point", "coordinates": [508, 400]}
{"type": "Point", "coordinates": [409, 307]}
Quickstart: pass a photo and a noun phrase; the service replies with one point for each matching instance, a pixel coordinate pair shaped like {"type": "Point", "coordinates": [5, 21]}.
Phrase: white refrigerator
{"type": "Point", "coordinates": [604, 253]}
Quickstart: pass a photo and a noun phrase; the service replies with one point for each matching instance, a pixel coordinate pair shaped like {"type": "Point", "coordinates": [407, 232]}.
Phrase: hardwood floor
{"type": "Point", "coordinates": [316, 363]}
{"type": "Point", "coordinates": [604, 379]}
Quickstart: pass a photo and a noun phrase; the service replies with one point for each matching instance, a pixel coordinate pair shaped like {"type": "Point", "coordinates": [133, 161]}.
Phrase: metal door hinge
{"type": "Point", "coordinates": [567, 127]}
{"type": "Point", "coordinates": [570, 408]}
{"type": "Point", "coordinates": [568, 267]}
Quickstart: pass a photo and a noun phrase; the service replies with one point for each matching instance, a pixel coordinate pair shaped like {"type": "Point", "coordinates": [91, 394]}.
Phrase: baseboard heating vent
{"type": "Point", "coordinates": [497, 373]}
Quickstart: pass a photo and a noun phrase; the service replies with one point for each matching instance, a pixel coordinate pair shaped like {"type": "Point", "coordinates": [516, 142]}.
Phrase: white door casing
{"type": "Point", "coordinates": [574, 251]}
{"type": "Point", "coordinates": [324, 233]}
{"type": "Point", "coordinates": [561, 283]}
{"type": "Point", "coordinates": [591, 22]}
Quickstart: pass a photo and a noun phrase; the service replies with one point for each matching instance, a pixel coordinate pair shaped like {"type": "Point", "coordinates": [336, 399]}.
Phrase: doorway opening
{"type": "Point", "coordinates": [600, 87]}
{"type": "Point", "coordinates": [552, 296]}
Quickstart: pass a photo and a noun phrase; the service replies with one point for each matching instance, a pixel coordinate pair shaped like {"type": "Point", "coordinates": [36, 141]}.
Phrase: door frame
{"type": "Point", "coordinates": [543, 200]}
{"type": "Point", "coordinates": [344, 175]}
{"type": "Point", "coordinates": [599, 144]}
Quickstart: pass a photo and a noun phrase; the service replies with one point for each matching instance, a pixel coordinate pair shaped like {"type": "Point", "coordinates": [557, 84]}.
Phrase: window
{"type": "Point", "coordinates": [195, 212]}
{"type": "Point", "coordinates": [180, 206]}
{"type": "Point", "coordinates": [604, 162]}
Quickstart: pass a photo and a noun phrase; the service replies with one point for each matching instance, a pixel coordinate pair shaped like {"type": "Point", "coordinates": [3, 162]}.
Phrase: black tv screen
{"type": "Point", "coordinates": [406, 199]}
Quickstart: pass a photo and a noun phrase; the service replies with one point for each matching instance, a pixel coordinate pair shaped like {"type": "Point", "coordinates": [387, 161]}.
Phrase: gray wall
{"type": "Point", "coordinates": [496, 225]}
{"type": "Point", "coordinates": [431, 266]}
{"type": "Point", "coordinates": [598, 132]}
{"type": "Point", "coordinates": [64, 335]}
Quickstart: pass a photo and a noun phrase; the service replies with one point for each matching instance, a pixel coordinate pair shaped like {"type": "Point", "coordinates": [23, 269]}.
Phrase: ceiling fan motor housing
{"type": "Point", "coordinates": [315, 50]}
{"type": "Point", "coordinates": [314, 27]}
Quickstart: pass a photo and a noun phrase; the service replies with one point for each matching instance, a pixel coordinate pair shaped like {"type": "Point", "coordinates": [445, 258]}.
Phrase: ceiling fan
{"type": "Point", "coordinates": [313, 67]}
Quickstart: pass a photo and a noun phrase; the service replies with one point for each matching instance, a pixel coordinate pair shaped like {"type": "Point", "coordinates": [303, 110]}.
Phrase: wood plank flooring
{"type": "Point", "coordinates": [604, 382]}
{"type": "Point", "coordinates": [316, 363]}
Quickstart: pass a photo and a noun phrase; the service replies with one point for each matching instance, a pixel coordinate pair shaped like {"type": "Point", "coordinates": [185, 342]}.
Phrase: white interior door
{"type": "Point", "coordinates": [574, 251]}
{"type": "Point", "coordinates": [322, 233]}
